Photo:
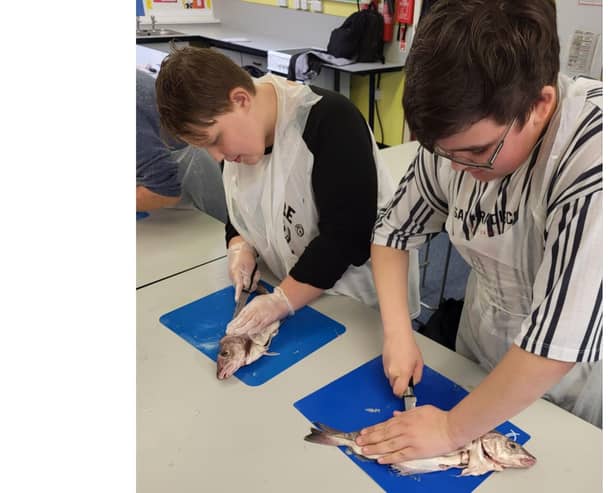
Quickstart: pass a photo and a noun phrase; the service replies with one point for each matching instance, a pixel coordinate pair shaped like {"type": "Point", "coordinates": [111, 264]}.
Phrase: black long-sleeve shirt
{"type": "Point", "coordinates": [344, 182]}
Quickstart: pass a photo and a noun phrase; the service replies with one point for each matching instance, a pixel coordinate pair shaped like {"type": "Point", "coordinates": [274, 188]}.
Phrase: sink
{"type": "Point", "coordinates": [158, 32]}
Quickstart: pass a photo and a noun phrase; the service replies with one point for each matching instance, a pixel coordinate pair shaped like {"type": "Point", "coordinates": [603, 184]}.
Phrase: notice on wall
{"type": "Point", "coordinates": [180, 11]}
{"type": "Point", "coordinates": [581, 52]}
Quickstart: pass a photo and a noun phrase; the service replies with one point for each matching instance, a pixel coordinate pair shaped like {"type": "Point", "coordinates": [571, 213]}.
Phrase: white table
{"type": "Point", "coordinates": [170, 241]}
{"type": "Point", "coordinates": [196, 434]}
{"type": "Point", "coordinates": [398, 158]}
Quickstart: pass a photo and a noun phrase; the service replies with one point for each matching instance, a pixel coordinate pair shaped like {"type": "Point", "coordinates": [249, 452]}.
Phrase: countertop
{"type": "Point", "coordinates": [254, 43]}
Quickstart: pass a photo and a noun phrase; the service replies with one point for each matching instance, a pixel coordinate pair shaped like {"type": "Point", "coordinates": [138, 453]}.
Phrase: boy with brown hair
{"type": "Point", "coordinates": [510, 165]}
{"type": "Point", "coordinates": [302, 179]}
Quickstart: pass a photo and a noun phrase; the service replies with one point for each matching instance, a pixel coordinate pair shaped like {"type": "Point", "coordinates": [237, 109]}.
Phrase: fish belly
{"type": "Point", "coordinates": [431, 464]}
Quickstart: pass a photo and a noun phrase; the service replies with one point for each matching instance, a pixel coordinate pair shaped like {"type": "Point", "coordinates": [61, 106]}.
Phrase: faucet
{"type": "Point", "coordinates": [153, 18]}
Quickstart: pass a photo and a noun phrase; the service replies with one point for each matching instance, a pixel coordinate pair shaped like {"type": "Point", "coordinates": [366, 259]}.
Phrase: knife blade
{"type": "Point", "coordinates": [241, 303]}
{"type": "Point", "coordinates": [243, 298]}
{"type": "Point", "coordinates": [410, 400]}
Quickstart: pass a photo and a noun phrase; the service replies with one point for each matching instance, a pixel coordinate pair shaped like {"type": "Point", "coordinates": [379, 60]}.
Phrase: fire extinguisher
{"type": "Point", "coordinates": [388, 20]}
{"type": "Point", "coordinates": [404, 17]}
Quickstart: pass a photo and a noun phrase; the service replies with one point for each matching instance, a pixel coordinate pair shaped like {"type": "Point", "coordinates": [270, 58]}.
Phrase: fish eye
{"type": "Point", "coordinates": [512, 445]}
{"type": "Point", "coordinates": [224, 353]}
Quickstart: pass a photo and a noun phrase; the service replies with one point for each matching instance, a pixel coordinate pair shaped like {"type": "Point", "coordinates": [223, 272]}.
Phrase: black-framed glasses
{"type": "Point", "coordinates": [470, 163]}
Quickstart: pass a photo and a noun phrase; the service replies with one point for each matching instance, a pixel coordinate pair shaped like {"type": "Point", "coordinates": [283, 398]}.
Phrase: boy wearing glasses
{"type": "Point", "coordinates": [510, 165]}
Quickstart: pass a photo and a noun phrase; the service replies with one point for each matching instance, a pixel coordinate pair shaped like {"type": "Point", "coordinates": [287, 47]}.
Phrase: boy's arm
{"type": "Point", "coordinates": [401, 356]}
{"type": "Point", "coordinates": [299, 293]}
{"type": "Point", "coordinates": [417, 210]}
{"type": "Point", "coordinates": [148, 200]}
{"type": "Point", "coordinates": [518, 380]}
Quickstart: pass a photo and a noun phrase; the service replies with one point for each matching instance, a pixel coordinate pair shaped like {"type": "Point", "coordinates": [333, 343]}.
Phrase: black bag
{"type": "Point", "coordinates": [442, 326]}
{"type": "Point", "coordinates": [360, 35]}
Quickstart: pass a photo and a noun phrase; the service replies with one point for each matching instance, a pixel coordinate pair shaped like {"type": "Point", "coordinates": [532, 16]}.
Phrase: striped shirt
{"type": "Point", "coordinates": [533, 238]}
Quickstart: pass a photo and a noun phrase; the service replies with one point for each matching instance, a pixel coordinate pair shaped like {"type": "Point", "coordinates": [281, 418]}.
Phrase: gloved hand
{"type": "Point", "coordinates": [262, 311]}
{"type": "Point", "coordinates": [242, 260]}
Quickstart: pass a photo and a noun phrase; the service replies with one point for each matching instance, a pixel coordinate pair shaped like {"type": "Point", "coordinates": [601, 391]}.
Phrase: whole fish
{"type": "Point", "coordinates": [236, 351]}
{"type": "Point", "coordinates": [490, 452]}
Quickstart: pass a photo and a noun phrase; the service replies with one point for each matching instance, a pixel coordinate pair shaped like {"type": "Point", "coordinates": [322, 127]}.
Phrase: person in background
{"type": "Point", "coordinates": [510, 165]}
{"type": "Point", "coordinates": [170, 173]}
{"type": "Point", "coordinates": [302, 179]}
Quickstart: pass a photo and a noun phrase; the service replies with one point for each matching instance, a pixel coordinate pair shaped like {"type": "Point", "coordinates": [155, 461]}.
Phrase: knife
{"type": "Point", "coordinates": [243, 298]}
{"type": "Point", "coordinates": [410, 400]}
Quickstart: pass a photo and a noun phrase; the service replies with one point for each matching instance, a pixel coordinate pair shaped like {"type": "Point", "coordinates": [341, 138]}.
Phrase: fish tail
{"type": "Point", "coordinates": [325, 435]}
{"type": "Point", "coordinates": [323, 438]}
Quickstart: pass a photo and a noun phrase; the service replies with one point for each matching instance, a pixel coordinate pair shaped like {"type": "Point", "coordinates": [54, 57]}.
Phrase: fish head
{"type": "Point", "coordinates": [232, 354]}
{"type": "Point", "coordinates": [506, 452]}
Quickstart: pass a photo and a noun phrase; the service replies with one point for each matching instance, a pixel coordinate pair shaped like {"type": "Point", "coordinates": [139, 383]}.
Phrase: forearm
{"type": "Point", "coordinates": [148, 200]}
{"type": "Point", "coordinates": [516, 382]}
{"type": "Point", "coordinates": [298, 293]}
{"type": "Point", "coordinates": [390, 271]}
{"type": "Point", "coordinates": [235, 240]}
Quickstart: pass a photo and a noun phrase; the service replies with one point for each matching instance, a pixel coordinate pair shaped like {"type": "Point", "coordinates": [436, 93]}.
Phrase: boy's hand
{"type": "Point", "coordinates": [401, 359]}
{"type": "Point", "coordinates": [242, 260]}
{"type": "Point", "coordinates": [418, 433]}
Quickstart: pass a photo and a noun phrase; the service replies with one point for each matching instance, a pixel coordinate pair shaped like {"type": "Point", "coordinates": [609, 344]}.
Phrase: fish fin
{"type": "Point", "coordinates": [403, 471]}
{"type": "Point", "coordinates": [361, 457]}
{"type": "Point", "coordinates": [326, 429]}
{"type": "Point", "coordinates": [322, 438]}
{"type": "Point", "coordinates": [476, 470]}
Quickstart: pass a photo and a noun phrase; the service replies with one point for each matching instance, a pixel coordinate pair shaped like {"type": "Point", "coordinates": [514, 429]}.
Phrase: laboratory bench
{"type": "Point", "coordinates": [170, 241]}
{"type": "Point", "coordinates": [196, 433]}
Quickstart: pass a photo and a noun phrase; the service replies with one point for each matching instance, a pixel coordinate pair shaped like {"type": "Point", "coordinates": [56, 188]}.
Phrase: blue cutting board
{"type": "Point", "coordinates": [363, 397]}
{"type": "Point", "coordinates": [202, 323]}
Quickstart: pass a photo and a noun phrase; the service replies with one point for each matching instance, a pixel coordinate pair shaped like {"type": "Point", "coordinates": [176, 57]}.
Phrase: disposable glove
{"type": "Point", "coordinates": [262, 311]}
{"type": "Point", "coordinates": [242, 260]}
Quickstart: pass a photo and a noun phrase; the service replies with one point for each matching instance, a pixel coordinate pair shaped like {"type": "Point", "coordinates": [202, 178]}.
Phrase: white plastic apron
{"type": "Point", "coordinates": [499, 291]}
{"type": "Point", "coordinates": [271, 204]}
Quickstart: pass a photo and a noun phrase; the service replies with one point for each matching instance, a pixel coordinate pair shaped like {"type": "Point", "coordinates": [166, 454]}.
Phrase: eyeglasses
{"type": "Point", "coordinates": [472, 164]}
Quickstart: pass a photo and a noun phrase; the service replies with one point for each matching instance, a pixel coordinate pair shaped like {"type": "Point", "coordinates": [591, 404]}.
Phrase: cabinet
{"type": "Point", "coordinates": [244, 59]}
{"type": "Point", "coordinates": [259, 62]}
{"type": "Point", "coordinates": [236, 56]}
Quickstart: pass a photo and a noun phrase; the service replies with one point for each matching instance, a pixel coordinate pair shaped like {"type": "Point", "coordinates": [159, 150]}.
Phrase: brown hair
{"type": "Point", "coordinates": [193, 86]}
{"type": "Point", "coordinates": [472, 59]}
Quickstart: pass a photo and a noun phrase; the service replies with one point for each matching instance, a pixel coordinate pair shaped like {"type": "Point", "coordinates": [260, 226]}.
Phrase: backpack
{"type": "Point", "coordinates": [442, 326]}
{"type": "Point", "coordinates": [360, 35]}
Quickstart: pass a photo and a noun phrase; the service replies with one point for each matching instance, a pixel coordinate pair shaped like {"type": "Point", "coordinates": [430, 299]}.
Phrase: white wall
{"type": "Point", "coordinates": [571, 16]}
{"type": "Point", "coordinates": [303, 27]}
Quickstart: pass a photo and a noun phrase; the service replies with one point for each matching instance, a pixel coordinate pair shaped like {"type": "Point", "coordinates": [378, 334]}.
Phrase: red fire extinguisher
{"type": "Point", "coordinates": [404, 17]}
{"type": "Point", "coordinates": [388, 20]}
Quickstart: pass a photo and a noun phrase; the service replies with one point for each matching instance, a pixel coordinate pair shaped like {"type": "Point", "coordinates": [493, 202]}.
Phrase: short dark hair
{"type": "Point", "coordinates": [193, 86]}
{"type": "Point", "coordinates": [472, 59]}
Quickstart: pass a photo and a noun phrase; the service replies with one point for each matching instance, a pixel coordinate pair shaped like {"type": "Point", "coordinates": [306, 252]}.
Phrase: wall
{"type": "Point", "coordinates": [313, 29]}
{"type": "Point", "coordinates": [174, 12]}
{"type": "Point", "coordinates": [571, 16]}
{"type": "Point", "coordinates": [343, 9]}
